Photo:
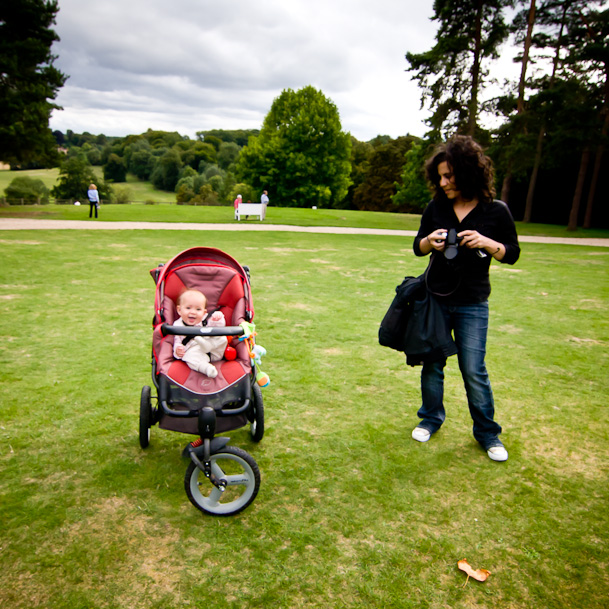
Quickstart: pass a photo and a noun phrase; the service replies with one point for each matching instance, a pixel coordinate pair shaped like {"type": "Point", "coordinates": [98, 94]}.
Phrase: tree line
{"type": "Point", "coordinates": [548, 137]}
{"type": "Point", "coordinates": [553, 122]}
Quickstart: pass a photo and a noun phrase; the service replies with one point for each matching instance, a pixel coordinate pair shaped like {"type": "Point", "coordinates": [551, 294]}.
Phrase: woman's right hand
{"type": "Point", "coordinates": [435, 240]}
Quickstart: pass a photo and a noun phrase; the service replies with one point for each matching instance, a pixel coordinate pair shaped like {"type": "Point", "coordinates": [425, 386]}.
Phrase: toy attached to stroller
{"type": "Point", "coordinates": [220, 479]}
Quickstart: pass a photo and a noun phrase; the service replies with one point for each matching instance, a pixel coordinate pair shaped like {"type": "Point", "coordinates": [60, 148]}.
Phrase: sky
{"type": "Point", "coordinates": [196, 65]}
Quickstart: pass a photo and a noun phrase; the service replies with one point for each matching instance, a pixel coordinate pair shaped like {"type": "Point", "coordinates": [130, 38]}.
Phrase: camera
{"type": "Point", "coordinates": [452, 249]}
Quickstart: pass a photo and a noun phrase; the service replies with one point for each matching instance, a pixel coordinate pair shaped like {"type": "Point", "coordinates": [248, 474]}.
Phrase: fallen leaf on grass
{"type": "Point", "coordinates": [479, 574]}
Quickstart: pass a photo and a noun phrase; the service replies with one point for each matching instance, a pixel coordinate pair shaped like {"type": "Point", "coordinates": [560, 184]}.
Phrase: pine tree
{"type": "Point", "coordinates": [28, 80]}
{"type": "Point", "coordinates": [453, 72]}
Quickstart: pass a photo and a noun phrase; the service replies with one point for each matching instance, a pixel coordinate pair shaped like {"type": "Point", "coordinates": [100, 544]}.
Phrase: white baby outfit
{"type": "Point", "coordinates": [201, 350]}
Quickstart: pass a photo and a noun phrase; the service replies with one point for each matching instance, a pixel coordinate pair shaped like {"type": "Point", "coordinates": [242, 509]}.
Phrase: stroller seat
{"type": "Point", "coordinates": [224, 291]}
{"type": "Point", "coordinates": [225, 284]}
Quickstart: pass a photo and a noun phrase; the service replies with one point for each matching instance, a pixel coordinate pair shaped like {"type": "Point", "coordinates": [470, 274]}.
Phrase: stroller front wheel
{"type": "Point", "coordinates": [241, 473]}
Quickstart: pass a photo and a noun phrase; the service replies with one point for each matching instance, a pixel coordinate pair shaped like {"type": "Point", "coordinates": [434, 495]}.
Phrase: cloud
{"type": "Point", "coordinates": [191, 65]}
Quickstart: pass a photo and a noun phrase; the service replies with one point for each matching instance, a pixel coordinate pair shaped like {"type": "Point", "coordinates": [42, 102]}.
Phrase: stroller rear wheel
{"type": "Point", "coordinates": [242, 476]}
{"type": "Point", "coordinates": [257, 415]}
{"type": "Point", "coordinates": [146, 417]}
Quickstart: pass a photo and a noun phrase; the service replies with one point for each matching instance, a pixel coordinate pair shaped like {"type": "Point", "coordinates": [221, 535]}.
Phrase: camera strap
{"type": "Point", "coordinates": [427, 271]}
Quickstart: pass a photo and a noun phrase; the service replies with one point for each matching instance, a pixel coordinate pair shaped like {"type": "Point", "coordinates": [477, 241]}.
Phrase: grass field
{"type": "Point", "coordinates": [351, 512]}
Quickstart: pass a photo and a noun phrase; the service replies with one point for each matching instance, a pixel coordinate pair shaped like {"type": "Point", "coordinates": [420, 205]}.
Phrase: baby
{"type": "Point", "coordinates": [198, 351]}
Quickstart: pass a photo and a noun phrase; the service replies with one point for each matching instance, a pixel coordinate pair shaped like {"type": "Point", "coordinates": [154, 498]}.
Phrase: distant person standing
{"type": "Point", "coordinates": [264, 199]}
{"type": "Point", "coordinates": [93, 197]}
{"type": "Point", "coordinates": [238, 200]}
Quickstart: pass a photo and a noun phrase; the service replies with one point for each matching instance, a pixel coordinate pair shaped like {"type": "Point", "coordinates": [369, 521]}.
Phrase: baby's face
{"type": "Point", "coordinates": [192, 308]}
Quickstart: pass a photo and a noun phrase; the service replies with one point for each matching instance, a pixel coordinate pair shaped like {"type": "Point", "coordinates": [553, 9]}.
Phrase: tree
{"type": "Point", "coordinates": [227, 154]}
{"type": "Point", "coordinates": [360, 155]}
{"type": "Point", "coordinates": [167, 171]}
{"type": "Point", "coordinates": [163, 139]}
{"type": "Point", "coordinates": [28, 80]}
{"type": "Point", "coordinates": [413, 193]}
{"type": "Point", "coordinates": [139, 157]}
{"type": "Point", "coordinates": [555, 17]}
{"type": "Point", "coordinates": [384, 168]}
{"type": "Point", "coordinates": [115, 169]}
{"type": "Point", "coordinates": [591, 57]}
{"type": "Point", "coordinates": [301, 155]}
{"type": "Point", "coordinates": [236, 136]}
{"type": "Point", "coordinates": [522, 26]}
{"type": "Point", "coordinates": [75, 176]}
{"type": "Point", "coordinates": [452, 73]}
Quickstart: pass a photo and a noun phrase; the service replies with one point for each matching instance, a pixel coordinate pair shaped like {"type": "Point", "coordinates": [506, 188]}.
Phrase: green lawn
{"type": "Point", "coordinates": [351, 513]}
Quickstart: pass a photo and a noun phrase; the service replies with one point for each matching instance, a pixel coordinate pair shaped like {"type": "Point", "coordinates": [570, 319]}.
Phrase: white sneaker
{"type": "Point", "coordinates": [497, 453]}
{"type": "Point", "coordinates": [420, 434]}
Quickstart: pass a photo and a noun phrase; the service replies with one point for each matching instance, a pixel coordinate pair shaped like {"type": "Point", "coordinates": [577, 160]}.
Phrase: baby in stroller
{"type": "Point", "coordinates": [199, 351]}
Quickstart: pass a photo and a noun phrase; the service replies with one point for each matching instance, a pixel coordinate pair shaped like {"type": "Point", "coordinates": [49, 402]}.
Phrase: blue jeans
{"type": "Point", "coordinates": [469, 324]}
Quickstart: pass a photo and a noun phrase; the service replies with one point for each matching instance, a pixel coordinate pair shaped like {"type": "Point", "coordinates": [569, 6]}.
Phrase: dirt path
{"type": "Point", "coordinates": [29, 224]}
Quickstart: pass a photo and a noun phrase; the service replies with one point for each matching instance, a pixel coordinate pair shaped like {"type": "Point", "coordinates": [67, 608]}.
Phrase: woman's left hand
{"type": "Point", "coordinates": [473, 239]}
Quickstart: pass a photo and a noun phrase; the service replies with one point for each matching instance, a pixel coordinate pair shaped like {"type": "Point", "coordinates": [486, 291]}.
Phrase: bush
{"type": "Point", "coordinates": [204, 196]}
{"type": "Point", "coordinates": [24, 189]}
{"type": "Point", "coordinates": [245, 190]}
{"type": "Point", "coordinates": [121, 196]}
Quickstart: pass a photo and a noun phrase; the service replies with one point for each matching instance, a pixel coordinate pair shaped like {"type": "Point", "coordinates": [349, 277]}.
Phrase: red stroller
{"type": "Point", "coordinates": [220, 479]}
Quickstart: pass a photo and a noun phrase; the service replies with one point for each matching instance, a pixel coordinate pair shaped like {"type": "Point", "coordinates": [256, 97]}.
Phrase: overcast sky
{"type": "Point", "coordinates": [194, 65]}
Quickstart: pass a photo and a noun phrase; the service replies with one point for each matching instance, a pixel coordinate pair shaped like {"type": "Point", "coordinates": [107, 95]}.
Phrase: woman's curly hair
{"type": "Point", "coordinates": [473, 170]}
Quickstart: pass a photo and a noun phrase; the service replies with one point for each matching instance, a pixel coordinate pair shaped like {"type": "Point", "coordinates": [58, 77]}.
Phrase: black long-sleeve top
{"type": "Point", "coordinates": [468, 271]}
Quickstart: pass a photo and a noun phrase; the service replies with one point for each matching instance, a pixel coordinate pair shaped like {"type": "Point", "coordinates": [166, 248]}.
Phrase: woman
{"type": "Point", "coordinates": [462, 176]}
{"type": "Point", "coordinates": [93, 197]}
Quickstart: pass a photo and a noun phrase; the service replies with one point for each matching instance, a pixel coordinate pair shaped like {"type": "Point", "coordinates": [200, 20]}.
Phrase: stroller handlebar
{"type": "Point", "coordinates": [167, 329]}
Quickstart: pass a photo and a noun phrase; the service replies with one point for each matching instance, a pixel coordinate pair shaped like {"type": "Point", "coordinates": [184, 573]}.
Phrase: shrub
{"type": "Point", "coordinates": [121, 195]}
{"type": "Point", "coordinates": [26, 189]}
{"type": "Point", "coordinates": [245, 190]}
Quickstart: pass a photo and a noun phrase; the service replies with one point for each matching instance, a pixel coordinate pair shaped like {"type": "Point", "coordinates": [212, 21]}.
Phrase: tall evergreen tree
{"type": "Point", "coordinates": [590, 57]}
{"type": "Point", "coordinates": [555, 18]}
{"type": "Point", "coordinates": [28, 80]}
{"type": "Point", "coordinates": [453, 72]}
{"type": "Point", "coordinates": [522, 26]}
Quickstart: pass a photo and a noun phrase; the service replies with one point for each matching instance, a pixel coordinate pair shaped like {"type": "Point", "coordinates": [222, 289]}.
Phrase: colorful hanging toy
{"type": "Point", "coordinates": [256, 353]}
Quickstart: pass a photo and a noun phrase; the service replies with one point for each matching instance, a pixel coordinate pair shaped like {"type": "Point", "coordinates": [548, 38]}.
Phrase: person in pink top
{"type": "Point", "coordinates": [238, 200]}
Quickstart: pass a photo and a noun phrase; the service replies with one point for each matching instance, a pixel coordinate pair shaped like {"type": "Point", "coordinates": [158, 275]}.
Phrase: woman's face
{"type": "Point", "coordinates": [447, 181]}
